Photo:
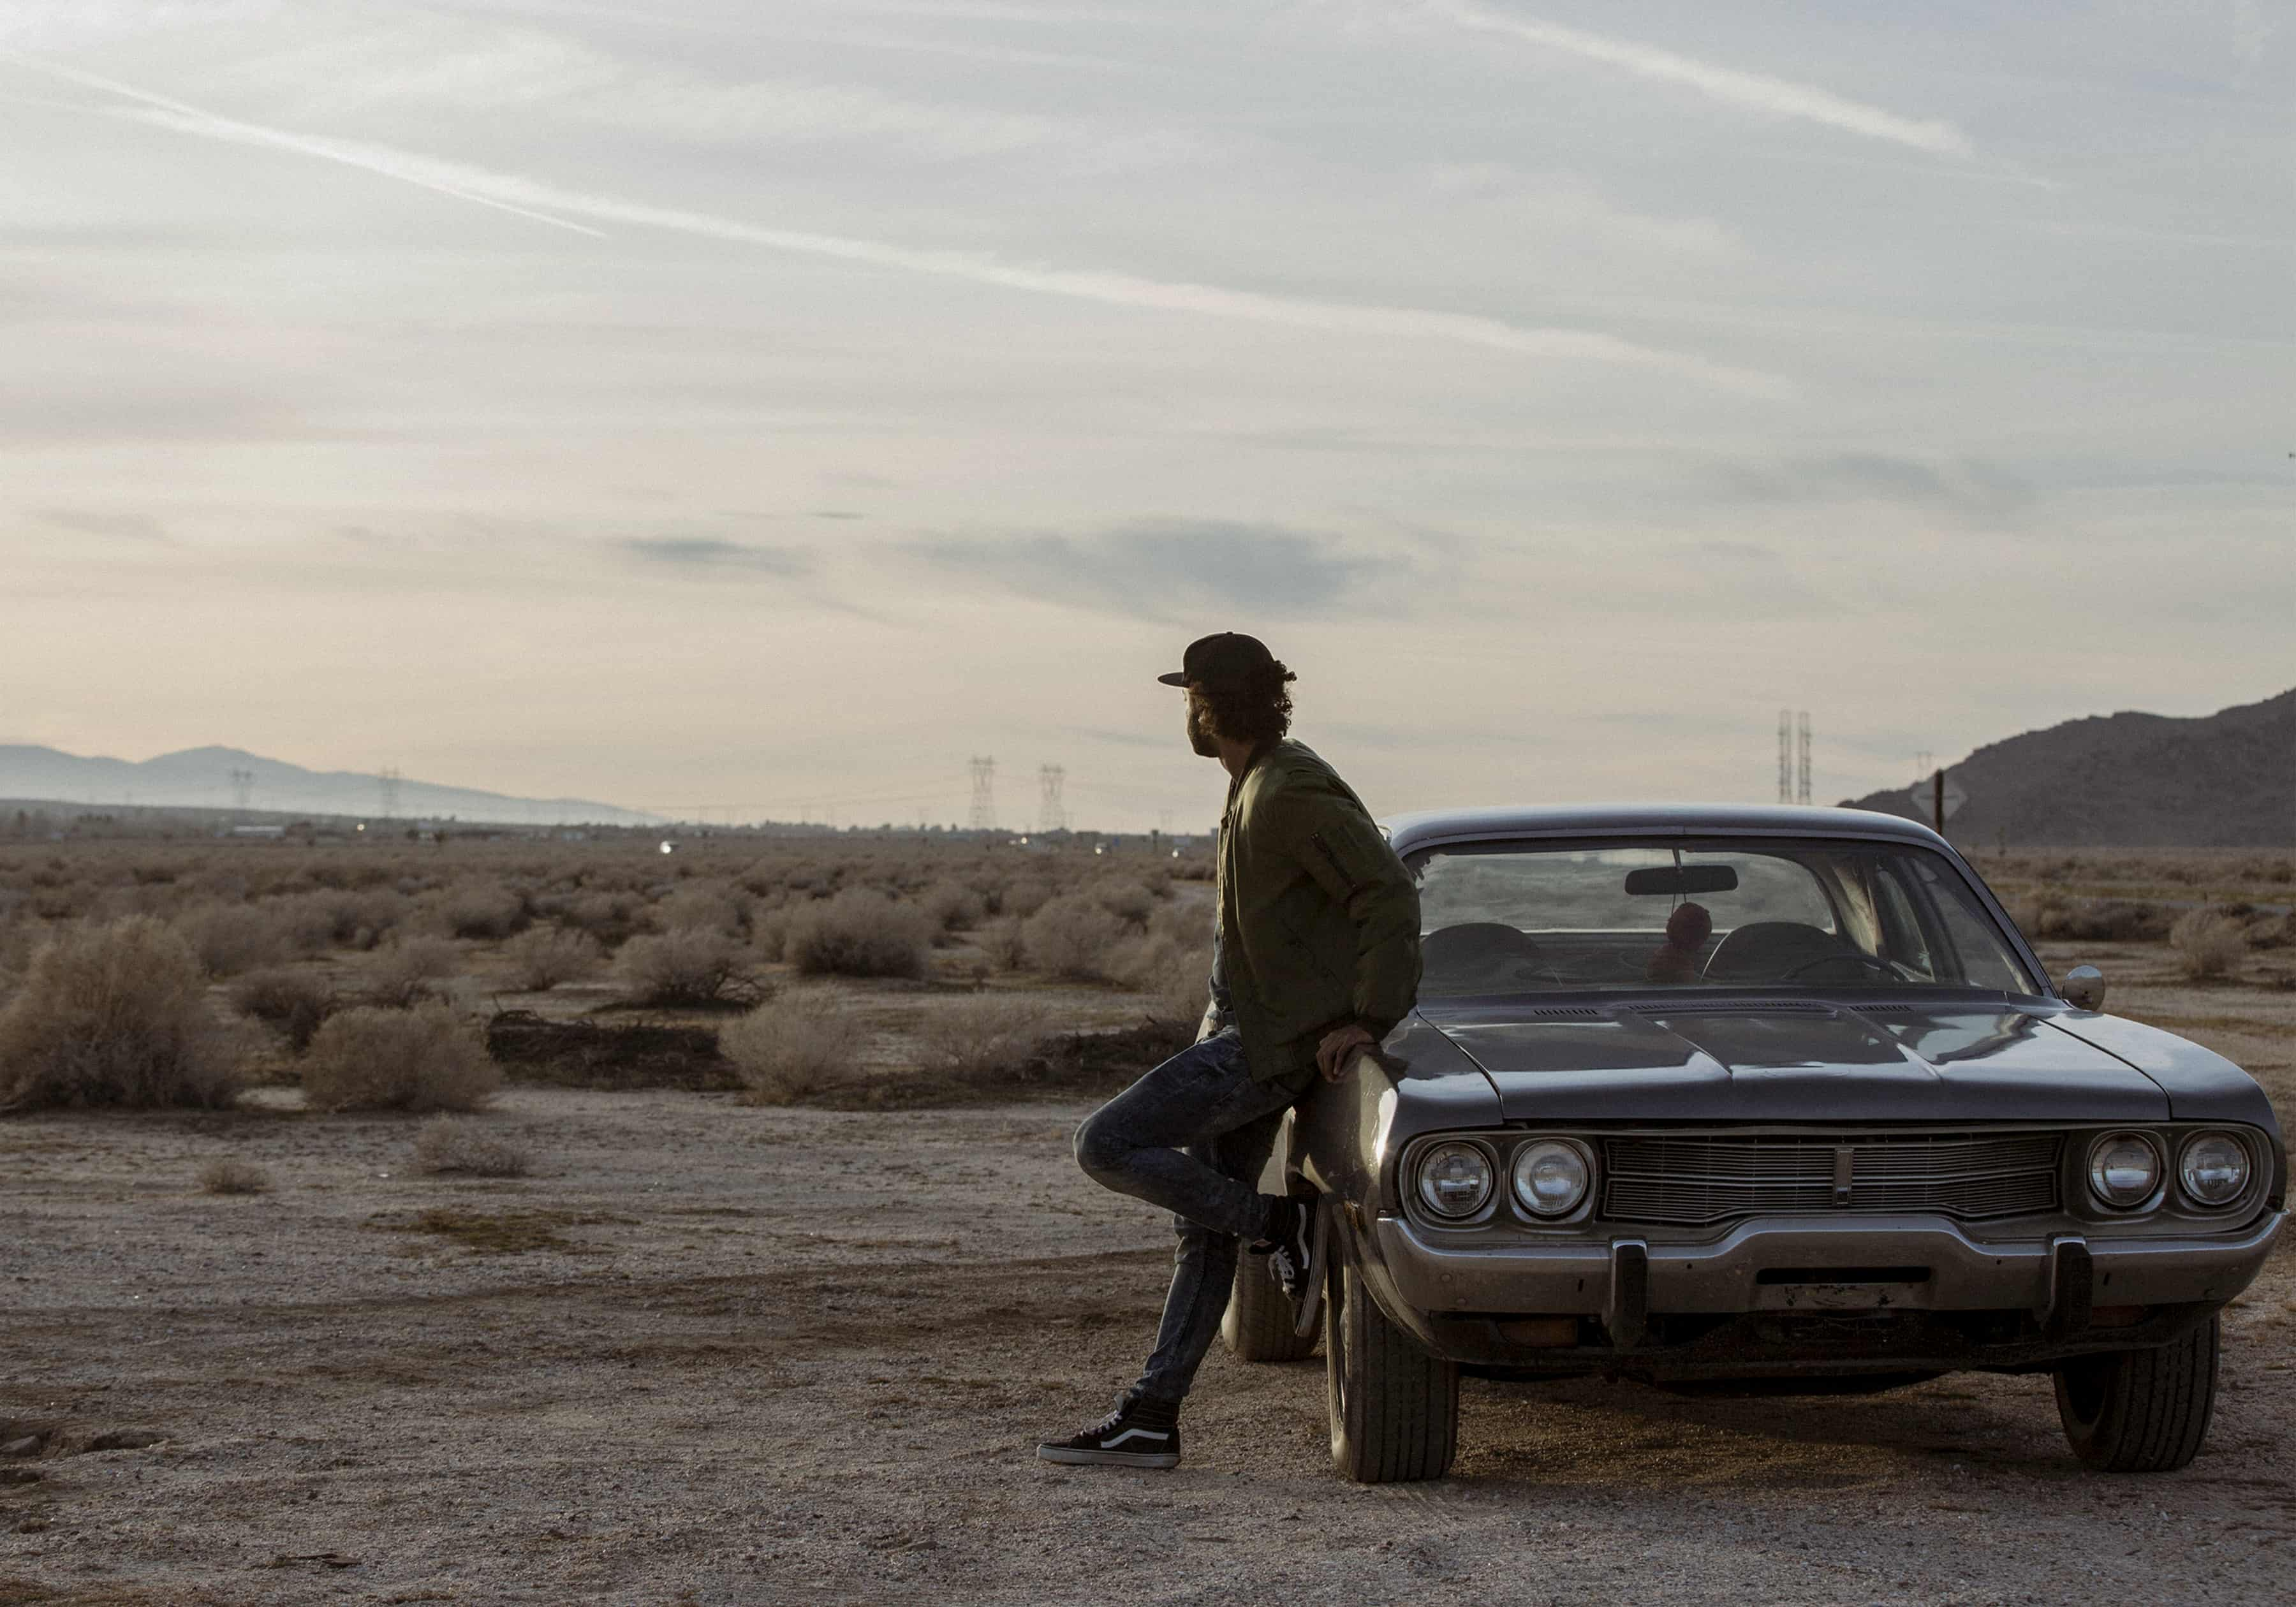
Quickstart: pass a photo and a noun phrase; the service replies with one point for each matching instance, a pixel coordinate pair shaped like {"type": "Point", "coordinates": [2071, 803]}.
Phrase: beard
{"type": "Point", "coordinates": [1200, 731]}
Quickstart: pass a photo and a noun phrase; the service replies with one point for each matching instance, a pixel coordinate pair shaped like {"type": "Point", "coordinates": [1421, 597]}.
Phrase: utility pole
{"type": "Point", "coordinates": [1785, 755]}
{"type": "Point", "coordinates": [1052, 815]}
{"type": "Point", "coordinates": [1801, 774]}
{"type": "Point", "coordinates": [242, 789]}
{"type": "Point", "coordinates": [386, 785]}
{"type": "Point", "coordinates": [984, 795]}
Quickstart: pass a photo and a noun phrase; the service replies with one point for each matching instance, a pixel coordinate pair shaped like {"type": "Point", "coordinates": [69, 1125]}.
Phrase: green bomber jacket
{"type": "Point", "coordinates": [1318, 920]}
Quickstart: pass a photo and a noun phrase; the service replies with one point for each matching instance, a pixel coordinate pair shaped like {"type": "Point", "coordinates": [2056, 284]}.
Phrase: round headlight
{"type": "Point", "coordinates": [1455, 1179]}
{"type": "Point", "coordinates": [2214, 1169]}
{"type": "Point", "coordinates": [1550, 1178]}
{"type": "Point", "coordinates": [2124, 1168]}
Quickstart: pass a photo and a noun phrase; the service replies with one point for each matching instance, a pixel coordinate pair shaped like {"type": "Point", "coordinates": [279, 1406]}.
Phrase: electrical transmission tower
{"type": "Point", "coordinates": [1050, 814]}
{"type": "Point", "coordinates": [1785, 755]}
{"type": "Point", "coordinates": [1801, 760]}
{"type": "Point", "coordinates": [984, 795]}
{"type": "Point", "coordinates": [386, 784]}
{"type": "Point", "coordinates": [242, 789]}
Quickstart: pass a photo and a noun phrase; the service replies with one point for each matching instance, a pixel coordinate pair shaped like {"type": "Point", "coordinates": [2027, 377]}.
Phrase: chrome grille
{"type": "Point", "coordinates": [1692, 1179]}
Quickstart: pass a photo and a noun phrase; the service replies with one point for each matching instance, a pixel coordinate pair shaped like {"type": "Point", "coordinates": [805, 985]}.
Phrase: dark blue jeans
{"type": "Point", "coordinates": [1192, 1136]}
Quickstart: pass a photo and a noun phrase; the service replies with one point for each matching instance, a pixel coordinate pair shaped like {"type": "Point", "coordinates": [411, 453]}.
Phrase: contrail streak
{"type": "Point", "coordinates": [160, 111]}
{"type": "Point", "coordinates": [547, 203]}
{"type": "Point", "coordinates": [1749, 91]}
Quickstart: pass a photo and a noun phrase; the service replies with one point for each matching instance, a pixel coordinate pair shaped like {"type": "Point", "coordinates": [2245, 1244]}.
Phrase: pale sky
{"type": "Point", "coordinates": [771, 404]}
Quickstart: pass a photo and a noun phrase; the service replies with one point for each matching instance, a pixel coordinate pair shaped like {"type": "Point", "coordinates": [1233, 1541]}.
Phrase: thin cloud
{"type": "Point", "coordinates": [701, 553]}
{"type": "Point", "coordinates": [113, 527]}
{"type": "Point", "coordinates": [1746, 90]}
{"type": "Point", "coordinates": [1160, 569]}
{"type": "Point", "coordinates": [547, 203]}
{"type": "Point", "coordinates": [431, 61]}
{"type": "Point", "coordinates": [1969, 489]}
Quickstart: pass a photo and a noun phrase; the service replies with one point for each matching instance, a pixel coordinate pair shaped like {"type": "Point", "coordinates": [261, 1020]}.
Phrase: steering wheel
{"type": "Point", "coordinates": [1485, 956]}
{"type": "Point", "coordinates": [1874, 967]}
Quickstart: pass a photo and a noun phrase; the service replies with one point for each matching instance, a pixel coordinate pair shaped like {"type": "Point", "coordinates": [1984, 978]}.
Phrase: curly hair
{"type": "Point", "coordinates": [1256, 710]}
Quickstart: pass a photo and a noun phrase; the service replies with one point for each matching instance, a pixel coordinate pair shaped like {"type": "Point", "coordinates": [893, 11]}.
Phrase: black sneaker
{"type": "Point", "coordinates": [1139, 1433]}
{"type": "Point", "coordinates": [1292, 1251]}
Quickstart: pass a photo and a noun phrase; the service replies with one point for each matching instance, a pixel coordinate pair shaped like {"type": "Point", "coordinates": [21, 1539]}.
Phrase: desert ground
{"type": "Point", "coordinates": [719, 1335]}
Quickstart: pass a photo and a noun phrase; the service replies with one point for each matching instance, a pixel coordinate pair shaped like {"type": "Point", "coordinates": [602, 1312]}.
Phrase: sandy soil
{"type": "Point", "coordinates": [710, 1353]}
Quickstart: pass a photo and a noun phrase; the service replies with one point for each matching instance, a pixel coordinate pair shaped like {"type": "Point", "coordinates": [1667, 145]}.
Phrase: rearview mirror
{"type": "Point", "coordinates": [1682, 879]}
{"type": "Point", "coordinates": [2083, 988]}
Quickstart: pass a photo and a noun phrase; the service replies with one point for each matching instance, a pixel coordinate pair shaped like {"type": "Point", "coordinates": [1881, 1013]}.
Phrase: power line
{"type": "Point", "coordinates": [242, 789]}
{"type": "Point", "coordinates": [1052, 815]}
{"type": "Point", "coordinates": [386, 785]}
{"type": "Point", "coordinates": [1785, 755]}
{"type": "Point", "coordinates": [1801, 775]}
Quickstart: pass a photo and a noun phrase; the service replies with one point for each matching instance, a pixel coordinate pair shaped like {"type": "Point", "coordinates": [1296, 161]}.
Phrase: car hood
{"type": "Point", "coordinates": [1768, 1062]}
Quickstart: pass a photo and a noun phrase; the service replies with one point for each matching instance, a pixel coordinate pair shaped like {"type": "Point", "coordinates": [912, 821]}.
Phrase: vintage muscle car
{"type": "Point", "coordinates": [1768, 1100]}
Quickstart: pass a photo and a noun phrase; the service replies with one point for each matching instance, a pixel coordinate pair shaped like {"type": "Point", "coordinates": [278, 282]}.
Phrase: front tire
{"type": "Point", "coordinates": [2141, 1411]}
{"type": "Point", "coordinates": [1394, 1408]}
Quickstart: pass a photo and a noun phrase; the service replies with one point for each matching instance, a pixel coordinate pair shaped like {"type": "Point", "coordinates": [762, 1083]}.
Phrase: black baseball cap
{"type": "Point", "coordinates": [1222, 660]}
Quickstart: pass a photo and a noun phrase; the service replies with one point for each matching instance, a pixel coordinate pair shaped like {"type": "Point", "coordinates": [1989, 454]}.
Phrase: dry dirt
{"type": "Point", "coordinates": [711, 1353]}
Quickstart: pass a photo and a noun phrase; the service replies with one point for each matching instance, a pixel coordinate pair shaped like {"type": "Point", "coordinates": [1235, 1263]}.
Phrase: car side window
{"type": "Point", "coordinates": [1985, 962]}
{"type": "Point", "coordinates": [1901, 927]}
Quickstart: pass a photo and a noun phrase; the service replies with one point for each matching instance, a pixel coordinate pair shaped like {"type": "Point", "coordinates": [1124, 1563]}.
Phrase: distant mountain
{"type": "Point", "coordinates": [201, 778]}
{"type": "Point", "coordinates": [2130, 781]}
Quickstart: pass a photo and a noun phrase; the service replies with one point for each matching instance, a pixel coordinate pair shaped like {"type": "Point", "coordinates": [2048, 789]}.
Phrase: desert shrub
{"type": "Point", "coordinates": [974, 1037]}
{"type": "Point", "coordinates": [611, 917]}
{"type": "Point", "coordinates": [2208, 943]}
{"type": "Point", "coordinates": [689, 969]}
{"type": "Point", "coordinates": [1188, 923]}
{"type": "Point", "coordinates": [115, 1015]}
{"type": "Point", "coordinates": [1006, 942]}
{"type": "Point", "coordinates": [1176, 976]}
{"type": "Point", "coordinates": [541, 957]}
{"type": "Point", "coordinates": [1024, 898]}
{"type": "Point", "coordinates": [480, 910]}
{"type": "Point", "coordinates": [802, 1042]}
{"type": "Point", "coordinates": [294, 1001]}
{"type": "Point", "coordinates": [233, 1176]}
{"type": "Point", "coordinates": [769, 934]}
{"type": "Point", "coordinates": [313, 923]}
{"type": "Point", "coordinates": [451, 1143]}
{"type": "Point", "coordinates": [702, 906]}
{"type": "Point", "coordinates": [858, 934]}
{"type": "Point", "coordinates": [2105, 920]}
{"type": "Point", "coordinates": [422, 1058]}
{"type": "Point", "coordinates": [1130, 902]}
{"type": "Point", "coordinates": [405, 972]}
{"type": "Point", "coordinates": [1073, 936]}
{"type": "Point", "coordinates": [2272, 932]}
{"type": "Point", "coordinates": [951, 906]}
{"type": "Point", "coordinates": [232, 938]}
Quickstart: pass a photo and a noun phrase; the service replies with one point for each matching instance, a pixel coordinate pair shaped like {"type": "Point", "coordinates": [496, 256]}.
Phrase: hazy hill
{"type": "Point", "coordinates": [200, 778]}
{"type": "Point", "coordinates": [2130, 781]}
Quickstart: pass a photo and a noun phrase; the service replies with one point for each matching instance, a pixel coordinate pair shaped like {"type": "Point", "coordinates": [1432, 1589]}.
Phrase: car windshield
{"type": "Point", "coordinates": [1503, 918]}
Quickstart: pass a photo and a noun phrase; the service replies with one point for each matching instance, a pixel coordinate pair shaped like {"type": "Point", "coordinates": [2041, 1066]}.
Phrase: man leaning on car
{"type": "Point", "coordinates": [1315, 959]}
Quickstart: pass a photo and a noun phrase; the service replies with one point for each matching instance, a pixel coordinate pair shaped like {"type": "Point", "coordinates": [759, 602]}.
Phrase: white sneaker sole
{"type": "Point", "coordinates": [1311, 1309]}
{"type": "Point", "coordinates": [1075, 1458]}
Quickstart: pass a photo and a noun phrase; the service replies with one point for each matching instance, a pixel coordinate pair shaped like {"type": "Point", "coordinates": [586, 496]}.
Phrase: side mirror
{"type": "Point", "coordinates": [2083, 988]}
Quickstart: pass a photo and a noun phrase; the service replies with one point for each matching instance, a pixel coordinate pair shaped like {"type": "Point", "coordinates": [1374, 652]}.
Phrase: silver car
{"type": "Point", "coordinates": [1756, 1099]}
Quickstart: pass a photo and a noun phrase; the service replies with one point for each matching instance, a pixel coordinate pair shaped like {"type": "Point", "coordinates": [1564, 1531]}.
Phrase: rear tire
{"type": "Point", "coordinates": [1394, 1408]}
{"type": "Point", "coordinates": [1260, 1321]}
{"type": "Point", "coordinates": [2141, 1411]}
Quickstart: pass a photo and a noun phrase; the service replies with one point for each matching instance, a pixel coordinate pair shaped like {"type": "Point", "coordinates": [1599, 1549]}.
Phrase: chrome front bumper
{"type": "Point", "coordinates": [1789, 1263]}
